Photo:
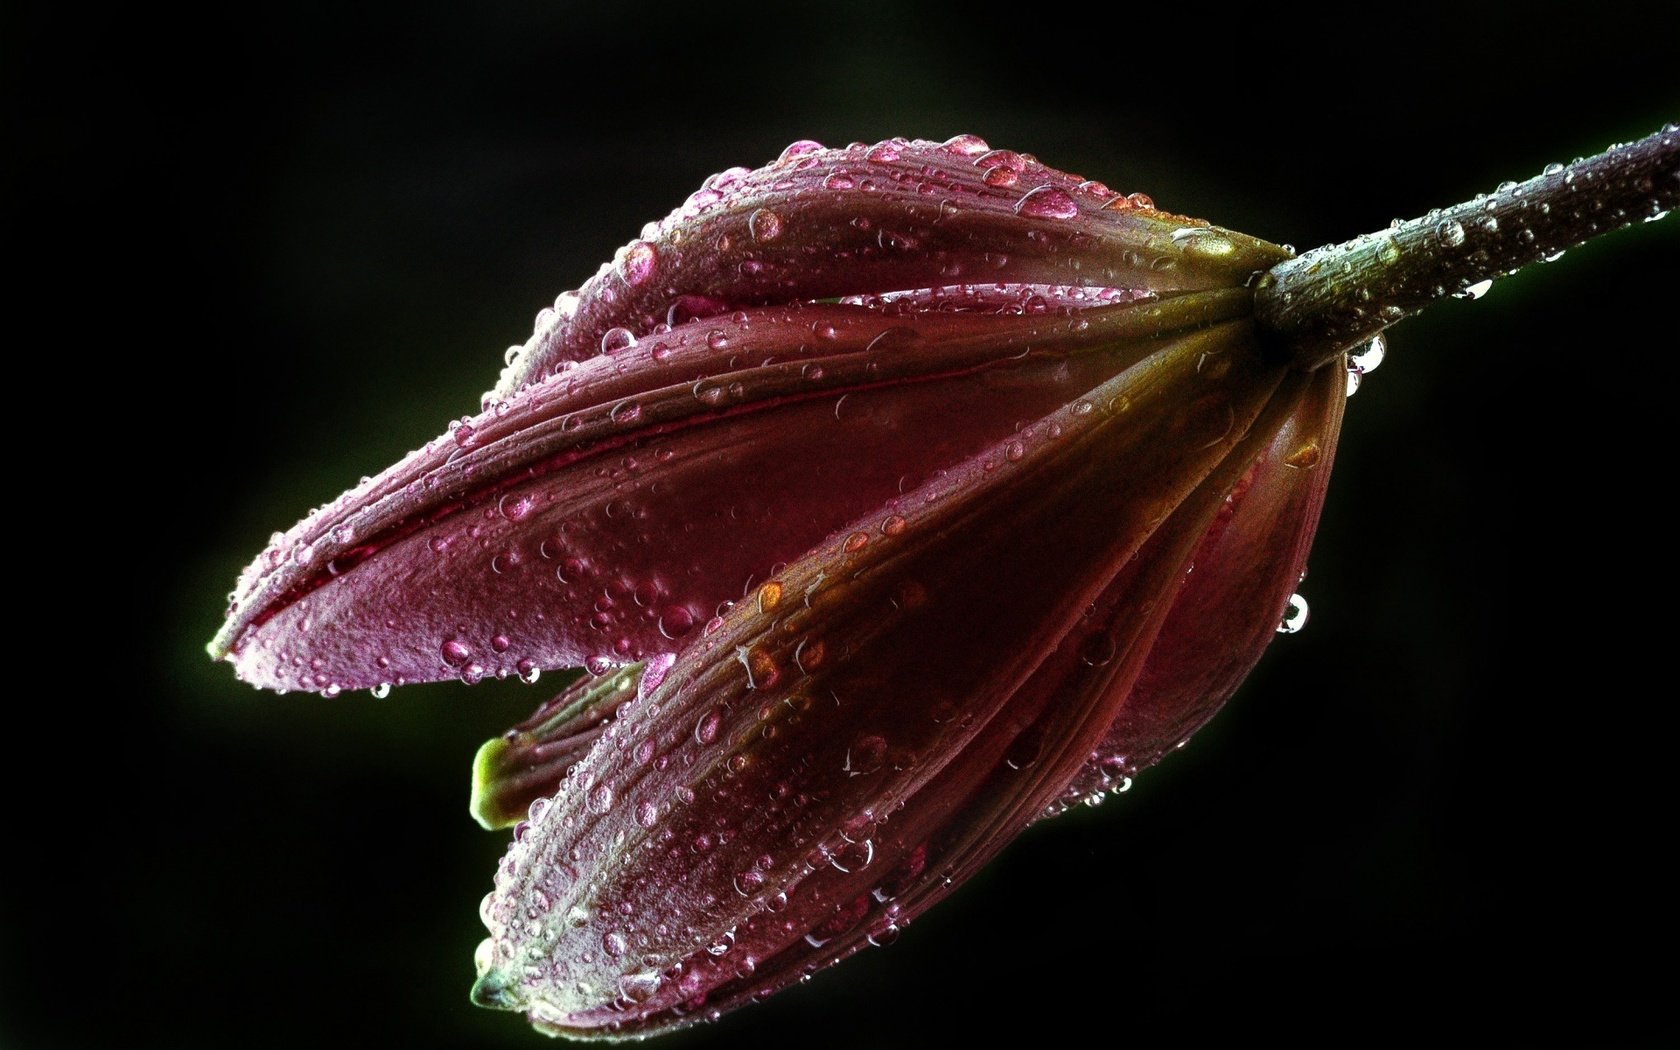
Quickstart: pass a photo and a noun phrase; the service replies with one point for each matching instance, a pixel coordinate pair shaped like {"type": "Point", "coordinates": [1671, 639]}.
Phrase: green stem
{"type": "Point", "coordinates": [1331, 300]}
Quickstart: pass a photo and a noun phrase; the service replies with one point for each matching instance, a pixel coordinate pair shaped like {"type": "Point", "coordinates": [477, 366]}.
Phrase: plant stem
{"type": "Point", "coordinates": [1333, 299]}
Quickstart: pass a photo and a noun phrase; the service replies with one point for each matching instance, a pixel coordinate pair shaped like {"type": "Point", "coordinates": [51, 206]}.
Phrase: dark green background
{"type": "Point", "coordinates": [269, 251]}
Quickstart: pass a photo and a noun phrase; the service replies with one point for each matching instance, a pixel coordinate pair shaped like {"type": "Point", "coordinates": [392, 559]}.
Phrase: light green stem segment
{"type": "Point", "coordinates": [1317, 306]}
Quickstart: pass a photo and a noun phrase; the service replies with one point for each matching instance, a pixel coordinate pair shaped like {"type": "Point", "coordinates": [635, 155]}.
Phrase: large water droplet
{"type": "Point", "coordinates": [1369, 358]}
{"type": "Point", "coordinates": [765, 225]}
{"type": "Point", "coordinates": [617, 340]}
{"type": "Point", "coordinates": [1047, 202]}
{"type": "Point", "coordinates": [966, 145]}
{"type": "Point", "coordinates": [1295, 614]}
{"type": "Point", "coordinates": [638, 262]}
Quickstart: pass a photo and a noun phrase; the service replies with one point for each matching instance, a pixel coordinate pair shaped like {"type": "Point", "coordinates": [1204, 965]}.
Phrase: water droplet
{"type": "Point", "coordinates": [1306, 457]}
{"type": "Point", "coordinates": [1474, 291]}
{"type": "Point", "coordinates": [639, 987]}
{"type": "Point", "coordinates": [799, 149]}
{"type": "Point", "coordinates": [513, 507]}
{"type": "Point", "coordinates": [749, 882]}
{"type": "Point", "coordinates": [1450, 233]}
{"type": "Point", "coordinates": [675, 621]}
{"type": "Point", "coordinates": [1097, 650]}
{"type": "Point", "coordinates": [647, 813]}
{"type": "Point", "coordinates": [1295, 614]}
{"type": "Point", "coordinates": [965, 145]}
{"type": "Point", "coordinates": [706, 730]}
{"type": "Point", "coordinates": [1371, 357]}
{"type": "Point", "coordinates": [765, 225]}
{"type": "Point", "coordinates": [1024, 749]}
{"type": "Point", "coordinates": [882, 153]}
{"type": "Point", "coordinates": [1047, 202]}
{"type": "Point", "coordinates": [854, 856]}
{"type": "Point", "coordinates": [528, 671]}
{"type": "Point", "coordinates": [455, 652]}
{"type": "Point", "coordinates": [865, 755]}
{"type": "Point", "coordinates": [617, 340]}
{"type": "Point", "coordinates": [381, 691]}
{"type": "Point", "coordinates": [638, 262]}
{"type": "Point", "coordinates": [625, 412]}
{"type": "Point", "coordinates": [601, 798]}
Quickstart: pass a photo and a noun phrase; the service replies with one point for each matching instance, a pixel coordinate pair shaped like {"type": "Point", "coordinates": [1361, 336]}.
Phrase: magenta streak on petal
{"type": "Point", "coordinates": [608, 511]}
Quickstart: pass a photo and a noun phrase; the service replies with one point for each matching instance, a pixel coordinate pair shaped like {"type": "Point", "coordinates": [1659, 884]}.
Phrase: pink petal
{"type": "Point", "coordinates": [600, 516]}
{"type": "Point", "coordinates": [877, 720]}
{"type": "Point", "coordinates": [819, 223]}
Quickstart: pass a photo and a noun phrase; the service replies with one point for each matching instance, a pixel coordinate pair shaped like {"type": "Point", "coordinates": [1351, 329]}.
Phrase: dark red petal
{"type": "Point", "coordinates": [819, 223]}
{"type": "Point", "coordinates": [604, 514]}
{"type": "Point", "coordinates": [1235, 589]}
{"type": "Point", "coordinates": [894, 706]}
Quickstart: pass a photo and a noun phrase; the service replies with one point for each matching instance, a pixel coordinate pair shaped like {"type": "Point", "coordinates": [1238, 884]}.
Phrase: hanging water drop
{"type": "Point", "coordinates": [1295, 616]}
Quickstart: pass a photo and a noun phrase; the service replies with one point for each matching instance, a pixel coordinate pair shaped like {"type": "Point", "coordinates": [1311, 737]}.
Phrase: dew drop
{"type": "Point", "coordinates": [455, 652]}
{"type": "Point", "coordinates": [855, 856]}
{"type": "Point", "coordinates": [381, 691]}
{"type": "Point", "coordinates": [601, 798]}
{"type": "Point", "coordinates": [1475, 291]}
{"type": "Point", "coordinates": [639, 987]}
{"type": "Point", "coordinates": [1294, 615]}
{"type": "Point", "coordinates": [865, 755]}
{"type": "Point", "coordinates": [1450, 233]}
{"type": "Point", "coordinates": [765, 225]}
{"type": "Point", "coordinates": [799, 149]}
{"type": "Point", "coordinates": [1370, 358]}
{"type": "Point", "coordinates": [675, 621]}
{"type": "Point", "coordinates": [1306, 457]}
{"type": "Point", "coordinates": [1047, 202]}
{"type": "Point", "coordinates": [882, 153]}
{"type": "Point", "coordinates": [706, 730]}
{"type": "Point", "coordinates": [965, 145]}
{"type": "Point", "coordinates": [617, 340]}
{"type": "Point", "coordinates": [749, 882]}
{"type": "Point", "coordinates": [1097, 650]}
{"type": "Point", "coordinates": [637, 263]}
{"type": "Point", "coordinates": [514, 508]}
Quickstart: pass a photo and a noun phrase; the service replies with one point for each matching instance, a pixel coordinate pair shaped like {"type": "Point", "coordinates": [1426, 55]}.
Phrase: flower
{"type": "Point", "coordinates": [894, 496]}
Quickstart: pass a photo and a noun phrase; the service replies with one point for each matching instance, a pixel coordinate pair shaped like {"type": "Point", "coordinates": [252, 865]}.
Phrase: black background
{"type": "Point", "coordinates": [264, 253]}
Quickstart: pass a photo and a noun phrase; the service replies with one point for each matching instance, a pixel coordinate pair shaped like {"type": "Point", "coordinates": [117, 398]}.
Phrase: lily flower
{"type": "Point", "coordinates": [894, 497]}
